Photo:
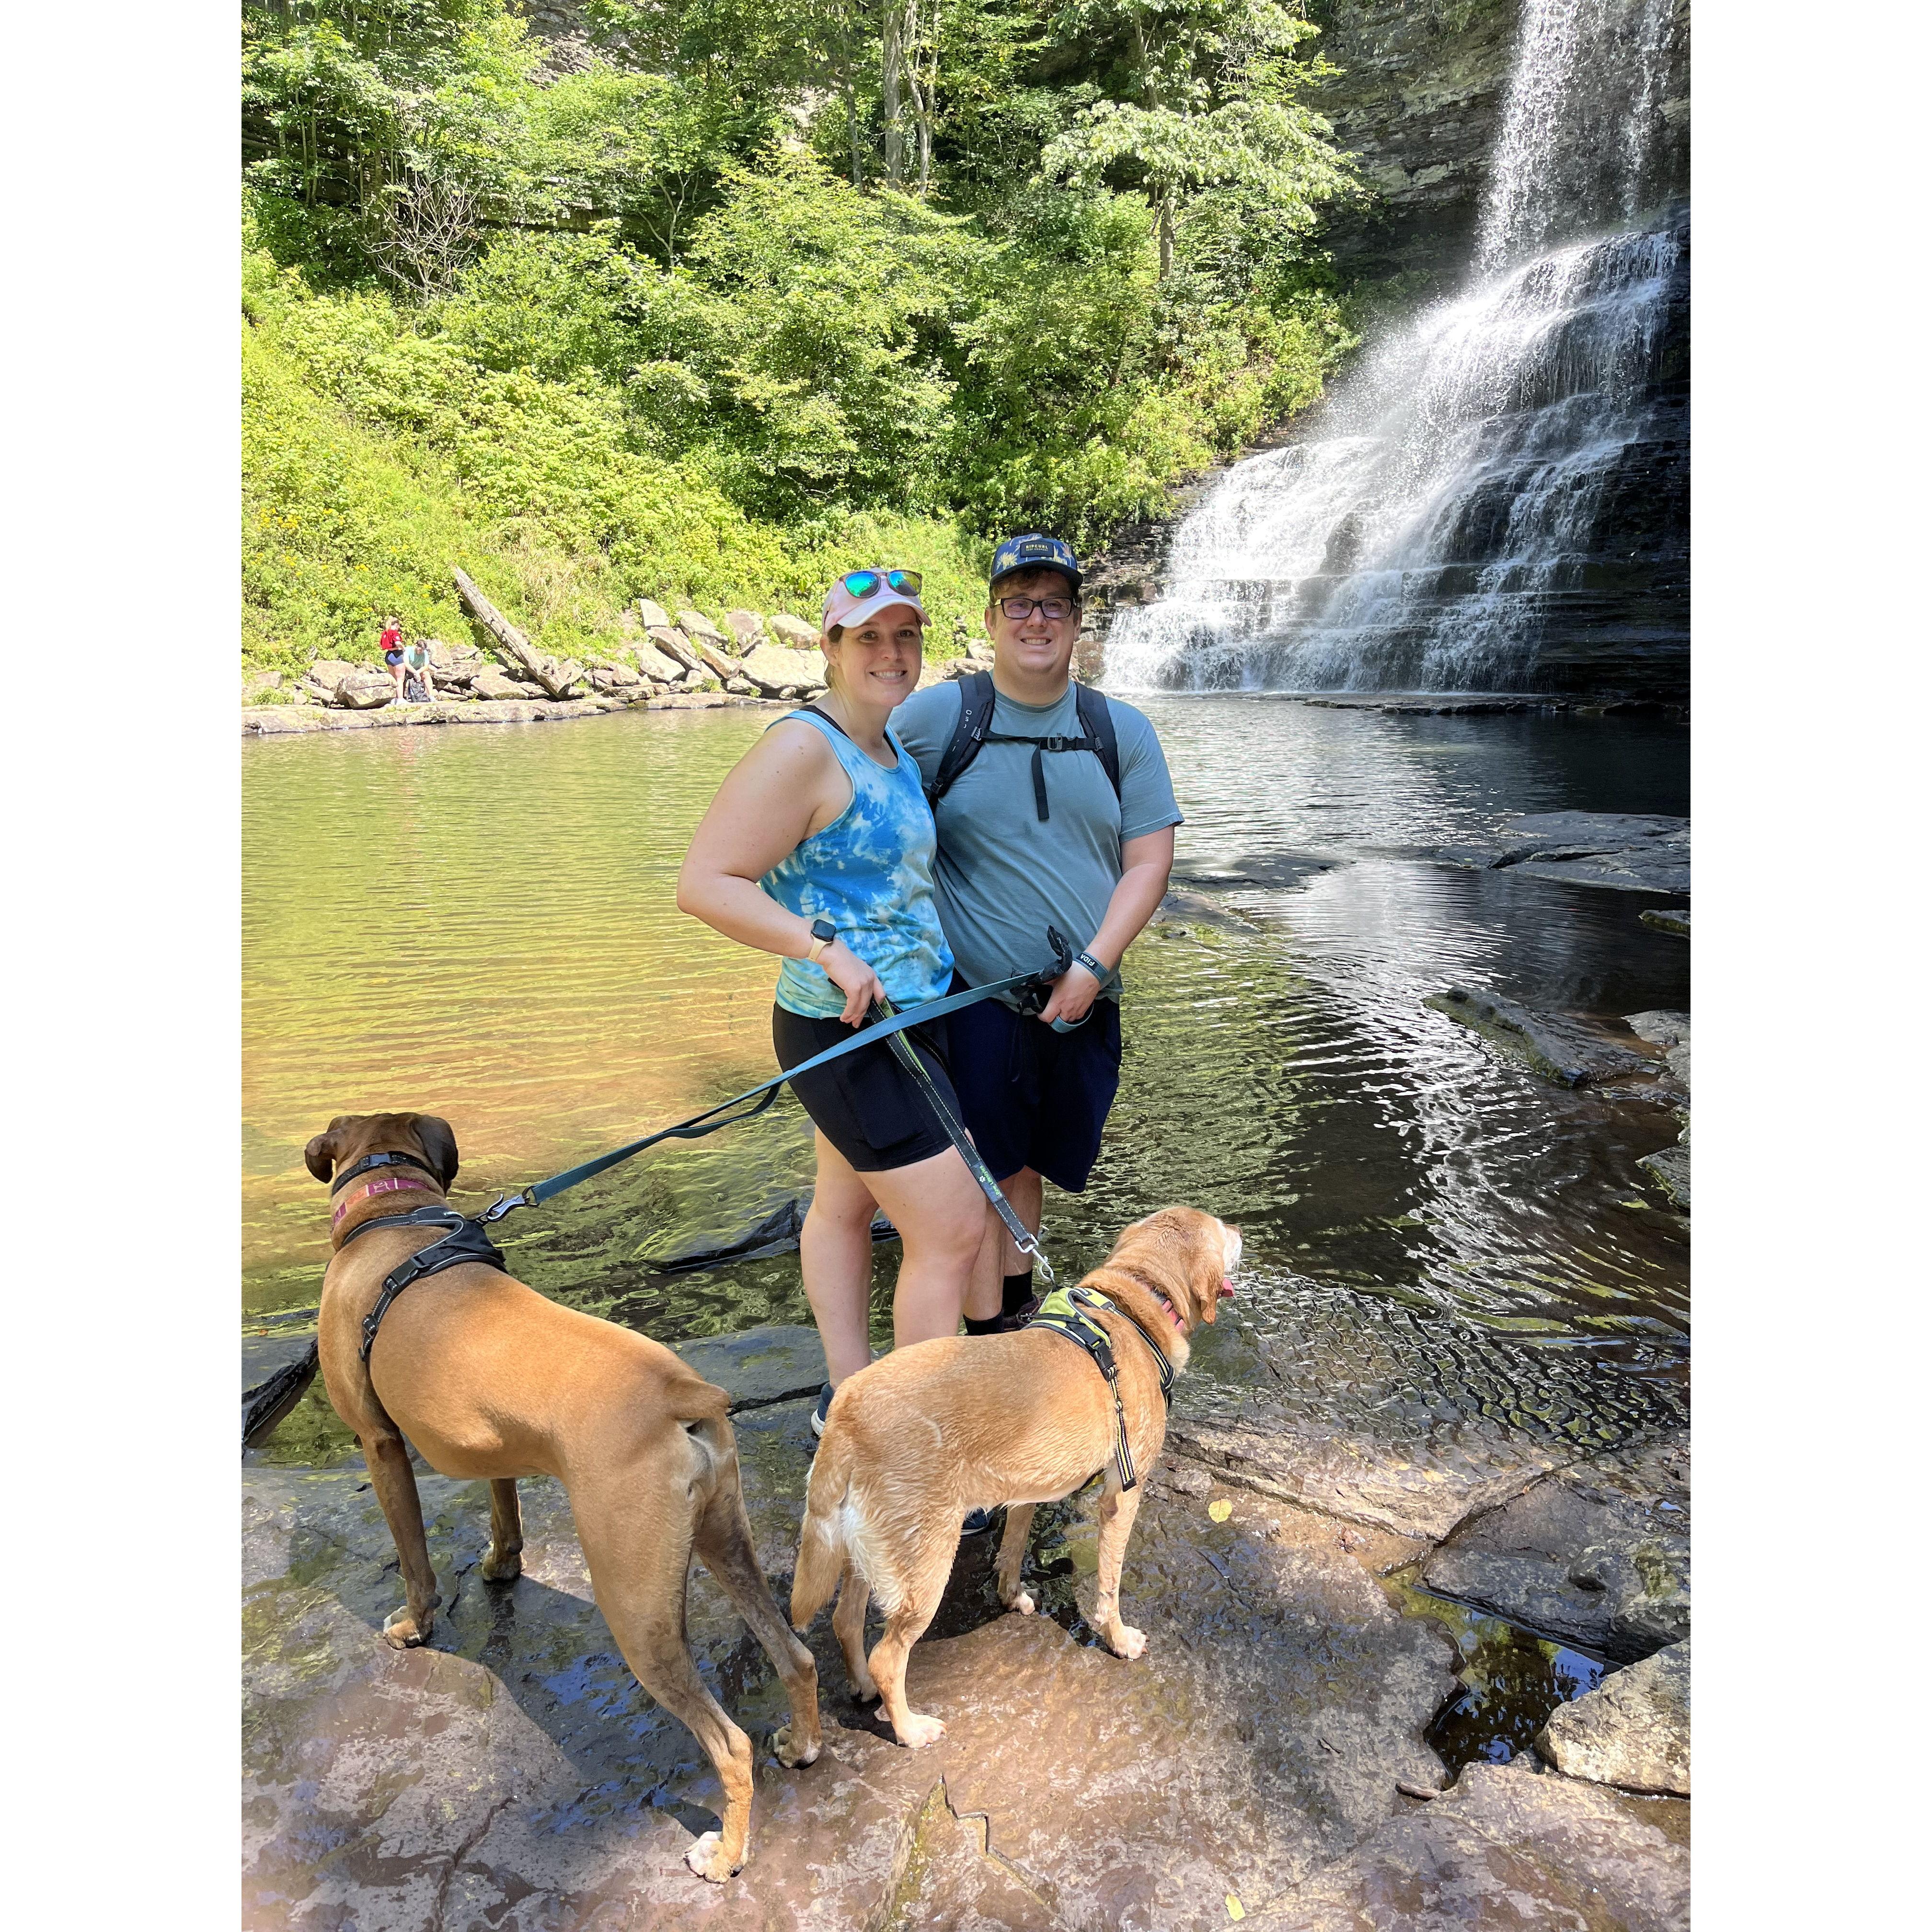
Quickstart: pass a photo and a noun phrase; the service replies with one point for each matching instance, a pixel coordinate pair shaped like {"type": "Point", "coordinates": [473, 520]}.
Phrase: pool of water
{"type": "Point", "coordinates": [480, 923]}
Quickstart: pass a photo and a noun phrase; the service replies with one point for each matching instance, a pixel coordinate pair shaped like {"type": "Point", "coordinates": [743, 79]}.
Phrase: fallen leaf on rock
{"type": "Point", "coordinates": [1235, 1910]}
{"type": "Point", "coordinates": [1219, 1510]}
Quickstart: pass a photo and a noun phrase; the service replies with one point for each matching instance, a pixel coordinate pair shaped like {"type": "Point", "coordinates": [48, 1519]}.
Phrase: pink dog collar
{"type": "Point", "coordinates": [396, 1184]}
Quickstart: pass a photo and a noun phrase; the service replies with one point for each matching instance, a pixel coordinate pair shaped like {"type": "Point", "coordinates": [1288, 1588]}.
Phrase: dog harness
{"type": "Point", "coordinates": [465, 1241]}
{"type": "Point", "coordinates": [1062, 1312]}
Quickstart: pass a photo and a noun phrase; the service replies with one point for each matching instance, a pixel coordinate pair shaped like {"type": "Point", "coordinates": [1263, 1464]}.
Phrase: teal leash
{"type": "Point", "coordinates": [766, 1091]}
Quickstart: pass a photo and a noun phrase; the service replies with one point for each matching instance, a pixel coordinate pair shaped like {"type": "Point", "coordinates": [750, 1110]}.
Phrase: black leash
{"type": "Point", "coordinates": [467, 1241]}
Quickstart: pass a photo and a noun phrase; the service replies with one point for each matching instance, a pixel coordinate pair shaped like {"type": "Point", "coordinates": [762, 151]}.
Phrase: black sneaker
{"type": "Point", "coordinates": [818, 1415]}
{"type": "Point", "coordinates": [977, 1523]}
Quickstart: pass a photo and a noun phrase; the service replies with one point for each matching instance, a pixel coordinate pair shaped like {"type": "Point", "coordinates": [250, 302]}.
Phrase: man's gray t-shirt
{"type": "Point", "coordinates": [1003, 877]}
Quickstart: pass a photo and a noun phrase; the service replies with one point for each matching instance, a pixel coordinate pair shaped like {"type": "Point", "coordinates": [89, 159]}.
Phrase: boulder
{"type": "Point", "coordinates": [958, 668]}
{"type": "Point", "coordinates": [793, 633]}
{"type": "Point", "coordinates": [1633, 1731]}
{"type": "Point", "coordinates": [711, 654]}
{"type": "Point", "coordinates": [491, 683]}
{"type": "Point", "coordinates": [659, 666]}
{"type": "Point", "coordinates": [775, 672]}
{"type": "Point", "coordinates": [653, 616]}
{"type": "Point", "coordinates": [614, 680]}
{"type": "Point", "coordinates": [1668, 919]}
{"type": "Point", "coordinates": [746, 629]}
{"type": "Point", "coordinates": [366, 690]}
{"type": "Point", "coordinates": [979, 650]}
{"type": "Point", "coordinates": [669, 639]}
{"type": "Point", "coordinates": [325, 673]}
{"type": "Point", "coordinates": [454, 664]}
{"type": "Point", "coordinates": [696, 624]}
{"type": "Point", "coordinates": [741, 687]}
{"type": "Point", "coordinates": [930, 674]}
{"type": "Point", "coordinates": [1659, 1027]}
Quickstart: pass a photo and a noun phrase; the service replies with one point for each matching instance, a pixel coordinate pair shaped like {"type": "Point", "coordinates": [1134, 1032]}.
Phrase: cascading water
{"type": "Point", "coordinates": [1497, 498]}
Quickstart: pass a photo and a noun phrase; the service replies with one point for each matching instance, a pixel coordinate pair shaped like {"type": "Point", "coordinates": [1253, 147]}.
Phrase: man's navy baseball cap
{"type": "Point", "coordinates": [1035, 552]}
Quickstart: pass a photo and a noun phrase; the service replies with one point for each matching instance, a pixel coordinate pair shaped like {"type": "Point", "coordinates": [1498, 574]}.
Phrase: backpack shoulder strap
{"type": "Point", "coordinates": [976, 714]}
{"type": "Point", "coordinates": [1096, 722]}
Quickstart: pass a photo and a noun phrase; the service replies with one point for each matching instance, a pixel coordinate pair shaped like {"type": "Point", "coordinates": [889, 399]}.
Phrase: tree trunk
{"type": "Point", "coordinates": [1166, 233]}
{"type": "Point", "coordinates": [555, 678]}
{"type": "Point", "coordinates": [891, 79]}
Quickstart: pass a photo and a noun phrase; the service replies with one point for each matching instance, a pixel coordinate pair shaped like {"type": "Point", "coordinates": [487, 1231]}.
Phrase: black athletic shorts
{"type": "Point", "coordinates": [1031, 1097]}
{"type": "Point", "coordinates": [866, 1104]}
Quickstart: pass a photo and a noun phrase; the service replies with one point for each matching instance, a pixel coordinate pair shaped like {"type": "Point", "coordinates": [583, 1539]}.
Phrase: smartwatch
{"type": "Point", "coordinates": [823, 932]}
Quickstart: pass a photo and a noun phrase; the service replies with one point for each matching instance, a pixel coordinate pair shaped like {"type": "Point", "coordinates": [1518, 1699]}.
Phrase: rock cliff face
{"type": "Point", "coordinates": [1420, 101]}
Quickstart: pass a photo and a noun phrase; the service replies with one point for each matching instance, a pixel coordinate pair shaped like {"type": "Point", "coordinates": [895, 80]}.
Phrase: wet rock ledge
{"type": "Point", "coordinates": [1266, 1760]}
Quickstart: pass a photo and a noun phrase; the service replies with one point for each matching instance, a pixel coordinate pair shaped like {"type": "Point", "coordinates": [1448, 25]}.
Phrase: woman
{"type": "Point", "coordinates": [392, 652]}
{"type": "Point", "coordinates": [819, 847]}
{"type": "Point", "coordinates": [419, 685]}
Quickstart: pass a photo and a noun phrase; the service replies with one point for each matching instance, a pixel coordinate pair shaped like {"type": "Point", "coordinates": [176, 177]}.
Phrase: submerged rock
{"type": "Point", "coordinates": [1598, 1556]}
{"type": "Point", "coordinates": [1670, 1169]}
{"type": "Point", "coordinates": [1551, 1046]}
{"type": "Point", "coordinates": [1668, 919]}
{"type": "Point", "coordinates": [1624, 851]}
{"type": "Point", "coordinates": [1633, 1731]}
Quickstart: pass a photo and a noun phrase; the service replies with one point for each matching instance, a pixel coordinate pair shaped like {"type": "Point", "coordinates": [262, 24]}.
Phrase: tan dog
{"type": "Point", "coordinates": [487, 1378]}
{"type": "Point", "coordinates": [915, 1440]}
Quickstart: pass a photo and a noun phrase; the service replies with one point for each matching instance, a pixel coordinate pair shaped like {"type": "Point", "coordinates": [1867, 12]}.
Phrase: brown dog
{"type": "Point", "coordinates": [915, 1440]}
{"type": "Point", "coordinates": [490, 1379]}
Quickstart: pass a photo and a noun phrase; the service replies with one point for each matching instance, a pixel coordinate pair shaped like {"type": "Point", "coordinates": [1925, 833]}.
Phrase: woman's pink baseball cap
{"type": "Point", "coordinates": [842, 607]}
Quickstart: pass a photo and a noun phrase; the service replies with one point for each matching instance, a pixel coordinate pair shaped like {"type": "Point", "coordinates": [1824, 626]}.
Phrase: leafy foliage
{"type": "Point", "coordinates": [657, 327]}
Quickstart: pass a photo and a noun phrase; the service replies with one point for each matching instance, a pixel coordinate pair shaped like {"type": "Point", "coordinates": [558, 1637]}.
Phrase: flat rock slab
{"type": "Point", "coordinates": [1508, 1847]}
{"type": "Point", "coordinates": [1597, 1556]}
{"type": "Point", "coordinates": [1373, 1412]}
{"type": "Point", "coordinates": [1633, 1731]}
{"type": "Point", "coordinates": [292, 720]}
{"type": "Point", "coordinates": [1660, 1026]}
{"type": "Point", "coordinates": [513, 1774]}
{"type": "Point", "coordinates": [760, 1365]}
{"type": "Point", "coordinates": [1622, 851]}
{"type": "Point", "coordinates": [1552, 1046]}
{"type": "Point", "coordinates": [1668, 919]}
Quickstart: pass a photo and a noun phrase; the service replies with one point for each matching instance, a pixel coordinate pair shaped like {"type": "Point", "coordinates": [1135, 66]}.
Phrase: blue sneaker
{"type": "Point", "coordinates": [977, 1523]}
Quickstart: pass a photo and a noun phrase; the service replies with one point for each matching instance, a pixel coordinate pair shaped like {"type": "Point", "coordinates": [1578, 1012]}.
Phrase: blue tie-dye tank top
{"type": "Point", "coordinates": [870, 873]}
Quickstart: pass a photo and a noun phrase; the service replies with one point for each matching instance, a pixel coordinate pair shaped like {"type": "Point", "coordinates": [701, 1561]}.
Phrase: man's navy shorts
{"type": "Point", "coordinates": [1031, 1097]}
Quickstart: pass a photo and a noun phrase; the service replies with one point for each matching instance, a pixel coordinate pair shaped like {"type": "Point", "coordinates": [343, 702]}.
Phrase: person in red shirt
{"type": "Point", "coordinates": [392, 652]}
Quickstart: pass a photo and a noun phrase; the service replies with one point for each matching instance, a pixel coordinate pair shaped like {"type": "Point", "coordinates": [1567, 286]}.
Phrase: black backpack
{"type": "Point", "coordinates": [975, 716]}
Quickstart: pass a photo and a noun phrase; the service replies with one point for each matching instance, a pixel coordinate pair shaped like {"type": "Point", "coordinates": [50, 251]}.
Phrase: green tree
{"type": "Point", "coordinates": [1214, 83]}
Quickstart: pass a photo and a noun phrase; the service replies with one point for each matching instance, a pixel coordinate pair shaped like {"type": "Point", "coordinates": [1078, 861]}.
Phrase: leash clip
{"type": "Point", "coordinates": [501, 1206]}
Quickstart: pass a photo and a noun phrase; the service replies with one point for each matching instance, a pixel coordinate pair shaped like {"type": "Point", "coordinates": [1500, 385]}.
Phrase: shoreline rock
{"type": "Point", "coordinates": [1622, 851]}
{"type": "Point", "coordinates": [1633, 1731]}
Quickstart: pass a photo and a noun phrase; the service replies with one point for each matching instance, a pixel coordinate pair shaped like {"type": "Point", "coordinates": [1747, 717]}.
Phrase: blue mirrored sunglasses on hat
{"type": "Point", "coordinates": [863, 583]}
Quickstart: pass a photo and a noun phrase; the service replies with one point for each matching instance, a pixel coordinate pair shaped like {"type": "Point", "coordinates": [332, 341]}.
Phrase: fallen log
{"type": "Point", "coordinates": [555, 679]}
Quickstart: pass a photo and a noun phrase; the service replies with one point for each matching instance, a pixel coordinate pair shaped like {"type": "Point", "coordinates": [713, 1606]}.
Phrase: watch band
{"type": "Point", "coordinates": [1093, 965]}
{"type": "Point", "coordinates": [823, 934]}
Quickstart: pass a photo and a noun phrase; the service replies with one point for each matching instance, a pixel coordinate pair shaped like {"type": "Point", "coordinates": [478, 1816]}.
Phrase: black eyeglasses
{"type": "Point", "coordinates": [1019, 609]}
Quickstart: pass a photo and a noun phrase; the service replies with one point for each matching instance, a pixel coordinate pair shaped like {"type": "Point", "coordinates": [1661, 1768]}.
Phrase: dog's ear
{"type": "Point", "coordinates": [1206, 1266]}
{"type": "Point", "coordinates": [319, 1157]}
{"type": "Point", "coordinates": [439, 1143]}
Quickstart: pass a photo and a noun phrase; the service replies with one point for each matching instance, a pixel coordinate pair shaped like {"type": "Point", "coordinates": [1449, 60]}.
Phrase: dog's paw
{"type": "Point", "coordinates": [793, 1757]}
{"type": "Point", "coordinates": [1022, 1603]}
{"type": "Point", "coordinates": [505, 1568]}
{"type": "Point", "coordinates": [400, 1631]}
{"type": "Point", "coordinates": [1123, 1640]}
{"type": "Point", "coordinates": [707, 1859]}
{"type": "Point", "coordinates": [918, 1730]}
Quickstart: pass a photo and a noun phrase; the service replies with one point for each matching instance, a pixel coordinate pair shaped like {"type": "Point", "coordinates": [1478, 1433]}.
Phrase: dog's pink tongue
{"type": "Point", "coordinates": [1227, 1290]}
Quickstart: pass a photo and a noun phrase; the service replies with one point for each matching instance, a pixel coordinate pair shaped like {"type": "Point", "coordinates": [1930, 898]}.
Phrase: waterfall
{"type": "Point", "coordinates": [1496, 497]}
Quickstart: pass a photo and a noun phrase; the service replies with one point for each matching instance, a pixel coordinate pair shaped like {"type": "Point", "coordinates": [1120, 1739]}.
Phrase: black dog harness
{"type": "Point", "coordinates": [1062, 1313]}
{"type": "Point", "coordinates": [465, 1241]}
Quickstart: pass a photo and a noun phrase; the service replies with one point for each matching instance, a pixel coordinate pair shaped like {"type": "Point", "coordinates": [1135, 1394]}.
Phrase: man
{"type": "Point", "coordinates": [1033, 832]}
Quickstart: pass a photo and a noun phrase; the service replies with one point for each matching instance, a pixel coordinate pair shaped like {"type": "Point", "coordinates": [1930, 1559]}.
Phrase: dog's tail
{"type": "Point", "coordinates": [269, 1401]}
{"type": "Point", "coordinates": [821, 1546]}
